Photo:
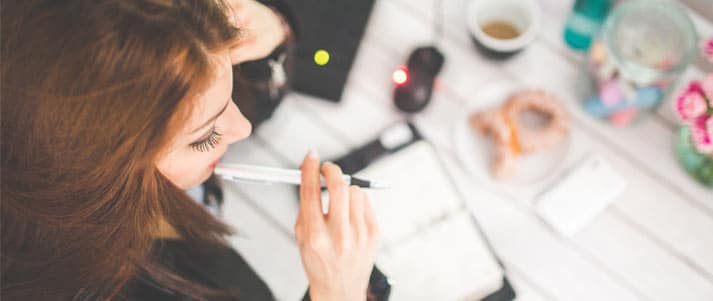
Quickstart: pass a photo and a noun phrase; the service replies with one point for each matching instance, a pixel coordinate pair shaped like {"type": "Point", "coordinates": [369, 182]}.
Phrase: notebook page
{"type": "Point", "coordinates": [431, 248]}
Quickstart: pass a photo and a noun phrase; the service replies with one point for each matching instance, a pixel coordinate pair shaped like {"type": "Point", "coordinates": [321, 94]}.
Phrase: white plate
{"type": "Point", "coordinates": [476, 151]}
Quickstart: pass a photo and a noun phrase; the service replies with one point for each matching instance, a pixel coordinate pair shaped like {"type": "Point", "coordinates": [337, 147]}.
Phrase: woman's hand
{"type": "Point", "coordinates": [262, 28]}
{"type": "Point", "coordinates": [337, 249]}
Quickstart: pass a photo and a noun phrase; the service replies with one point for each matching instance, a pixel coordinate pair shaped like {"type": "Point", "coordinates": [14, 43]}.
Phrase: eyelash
{"type": "Point", "coordinates": [208, 143]}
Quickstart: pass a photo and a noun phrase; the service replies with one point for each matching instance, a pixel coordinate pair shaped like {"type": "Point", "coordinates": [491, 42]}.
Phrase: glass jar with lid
{"type": "Point", "coordinates": [643, 48]}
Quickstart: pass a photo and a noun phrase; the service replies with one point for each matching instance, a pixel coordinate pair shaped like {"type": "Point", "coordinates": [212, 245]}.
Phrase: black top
{"type": "Point", "coordinates": [221, 268]}
{"type": "Point", "coordinates": [215, 267]}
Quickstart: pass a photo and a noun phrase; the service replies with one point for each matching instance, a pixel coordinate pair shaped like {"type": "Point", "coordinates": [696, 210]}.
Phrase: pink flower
{"type": "Point", "coordinates": [709, 126]}
{"type": "Point", "coordinates": [694, 86]}
{"type": "Point", "coordinates": [708, 49]}
{"type": "Point", "coordinates": [690, 105]}
{"type": "Point", "coordinates": [707, 87]}
{"type": "Point", "coordinates": [702, 133]}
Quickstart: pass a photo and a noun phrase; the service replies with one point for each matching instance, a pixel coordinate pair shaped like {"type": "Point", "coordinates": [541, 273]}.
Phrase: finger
{"type": "Point", "coordinates": [236, 56]}
{"type": "Point", "coordinates": [245, 50]}
{"type": "Point", "coordinates": [250, 50]}
{"type": "Point", "coordinates": [356, 211]}
{"type": "Point", "coordinates": [235, 11]}
{"type": "Point", "coordinates": [236, 4]}
{"type": "Point", "coordinates": [370, 219]}
{"type": "Point", "coordinates": [338, 194]}
{"type": "Point", "coordinates": [310, 201]}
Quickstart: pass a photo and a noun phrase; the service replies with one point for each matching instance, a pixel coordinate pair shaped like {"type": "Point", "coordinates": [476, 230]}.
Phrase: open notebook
{"type": "Point", "coordinates": [431, 247]}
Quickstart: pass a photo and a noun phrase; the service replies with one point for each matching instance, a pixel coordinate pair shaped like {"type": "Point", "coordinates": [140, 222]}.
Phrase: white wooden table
{"type": "Point", "coordinates": [654, 243]}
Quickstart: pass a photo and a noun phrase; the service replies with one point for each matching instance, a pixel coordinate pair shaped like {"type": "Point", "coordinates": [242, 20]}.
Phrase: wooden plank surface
{"type": "Point", "coordinates": [653, 243]}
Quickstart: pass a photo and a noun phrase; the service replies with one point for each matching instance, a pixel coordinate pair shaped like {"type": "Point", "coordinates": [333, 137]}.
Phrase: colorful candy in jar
{"type": "Point", "coordinates": [642, 49]}
{"type": "Point", "coordinates": [617, 99]}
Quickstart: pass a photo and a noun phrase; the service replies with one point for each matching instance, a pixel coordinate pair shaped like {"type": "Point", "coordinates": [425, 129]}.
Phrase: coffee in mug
{"type": "Point", "coordinates": [499, 29]}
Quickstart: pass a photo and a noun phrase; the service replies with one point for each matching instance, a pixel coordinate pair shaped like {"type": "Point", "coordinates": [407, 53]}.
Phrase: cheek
{"type": "Point", "coordinates": [188, 168]}
{"type": "Point", "coordinates": [185, 169]}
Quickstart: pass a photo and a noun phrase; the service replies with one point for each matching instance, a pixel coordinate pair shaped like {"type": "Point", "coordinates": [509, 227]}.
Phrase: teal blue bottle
{"type": "Point", "coordinates": [584, 22]}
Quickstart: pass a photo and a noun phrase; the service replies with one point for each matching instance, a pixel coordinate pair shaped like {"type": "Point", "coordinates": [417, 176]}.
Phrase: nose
{"type": "Point", "coordinates": [237, 126]}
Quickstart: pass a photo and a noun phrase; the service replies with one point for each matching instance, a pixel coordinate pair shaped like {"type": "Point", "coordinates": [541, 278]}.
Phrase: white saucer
{"type": "Point", "coordinates": [476, 151]}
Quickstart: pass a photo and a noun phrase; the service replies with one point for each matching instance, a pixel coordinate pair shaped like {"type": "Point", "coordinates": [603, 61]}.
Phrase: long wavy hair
{"type": "Point", "coordinates": [92, 92]}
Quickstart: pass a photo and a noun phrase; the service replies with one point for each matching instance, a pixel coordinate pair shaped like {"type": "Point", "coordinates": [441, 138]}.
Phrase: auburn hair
{"type": "Point", "coordinates": [92, 92]}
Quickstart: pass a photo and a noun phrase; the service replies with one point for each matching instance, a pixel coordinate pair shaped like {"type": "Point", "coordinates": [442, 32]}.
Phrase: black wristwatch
{"type": "Point", "coordinates": [379, 287]}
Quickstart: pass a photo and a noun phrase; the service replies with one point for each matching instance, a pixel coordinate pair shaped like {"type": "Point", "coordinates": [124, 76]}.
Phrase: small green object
{"type": "Point", "coordinates": [585, 21]}
{"type": "Point", "coordinates": [699, 166]}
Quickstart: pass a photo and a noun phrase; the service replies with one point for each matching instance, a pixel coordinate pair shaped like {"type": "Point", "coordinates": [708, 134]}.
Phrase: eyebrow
{"type": "Point", "coordinates": [214, 117]}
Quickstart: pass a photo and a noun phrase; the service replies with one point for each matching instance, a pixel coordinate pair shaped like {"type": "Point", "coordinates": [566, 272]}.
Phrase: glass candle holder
{"type": "Point", "coordinates": [643, 48]}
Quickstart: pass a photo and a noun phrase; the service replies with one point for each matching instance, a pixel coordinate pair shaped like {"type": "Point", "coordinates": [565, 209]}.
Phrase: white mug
{"type": "Point", "coordinates": [524, 15]}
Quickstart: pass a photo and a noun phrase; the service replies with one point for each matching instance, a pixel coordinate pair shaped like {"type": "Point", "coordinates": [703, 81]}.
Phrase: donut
{"type": "Point", "coordinates": [513, 138]}
{"type": "Point", "coordinates": [536, 139]}
{"type": "Point", "coordinates": [491, 123]}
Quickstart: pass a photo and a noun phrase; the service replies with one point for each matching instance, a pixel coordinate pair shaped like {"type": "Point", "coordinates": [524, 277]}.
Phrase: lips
{"type": "Point", "coordinates": [214, 164]}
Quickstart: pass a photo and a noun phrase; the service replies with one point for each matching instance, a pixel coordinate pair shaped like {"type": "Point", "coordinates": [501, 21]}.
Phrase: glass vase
{"type": "Point", "coordinates": [698, 165]}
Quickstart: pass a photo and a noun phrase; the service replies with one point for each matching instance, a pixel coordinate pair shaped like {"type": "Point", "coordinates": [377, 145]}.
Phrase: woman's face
{"type": "Point", "coordinates": [214, 123]}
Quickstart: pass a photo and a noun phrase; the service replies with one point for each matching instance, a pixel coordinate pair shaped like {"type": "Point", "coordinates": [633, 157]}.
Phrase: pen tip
{"type": "Point", "coordinates": [378, 185]}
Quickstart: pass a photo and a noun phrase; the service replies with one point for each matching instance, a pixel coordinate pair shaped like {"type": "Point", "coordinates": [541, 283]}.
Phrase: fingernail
{"type": "Point", "coordinates": [312, 154]}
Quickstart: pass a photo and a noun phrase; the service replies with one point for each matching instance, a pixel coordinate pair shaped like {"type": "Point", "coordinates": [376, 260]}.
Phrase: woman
{"type": "Point", "coordinates": [110, 109]}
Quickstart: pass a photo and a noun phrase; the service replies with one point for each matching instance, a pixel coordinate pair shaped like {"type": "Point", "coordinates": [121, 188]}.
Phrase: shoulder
{"type": "Point", "coordinates": [217, 267]}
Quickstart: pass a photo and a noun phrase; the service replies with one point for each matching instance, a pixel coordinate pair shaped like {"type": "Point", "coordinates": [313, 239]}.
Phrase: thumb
{"type": "Point", "coordinates": [246, 50]}
{"type": "Point", "coordinates": [236, 56]}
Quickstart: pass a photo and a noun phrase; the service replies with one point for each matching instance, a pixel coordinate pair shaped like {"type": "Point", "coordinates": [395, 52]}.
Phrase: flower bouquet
{"type": "Point", "coordinates": [694, 141]}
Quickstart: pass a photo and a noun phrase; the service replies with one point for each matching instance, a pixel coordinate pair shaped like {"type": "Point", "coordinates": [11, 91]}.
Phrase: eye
{"type": "Point", "coordinates": [207, 143]}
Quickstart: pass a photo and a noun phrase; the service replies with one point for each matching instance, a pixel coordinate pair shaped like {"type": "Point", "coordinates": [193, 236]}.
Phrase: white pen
{"type": "Point", "coordinates": [272, 175]}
